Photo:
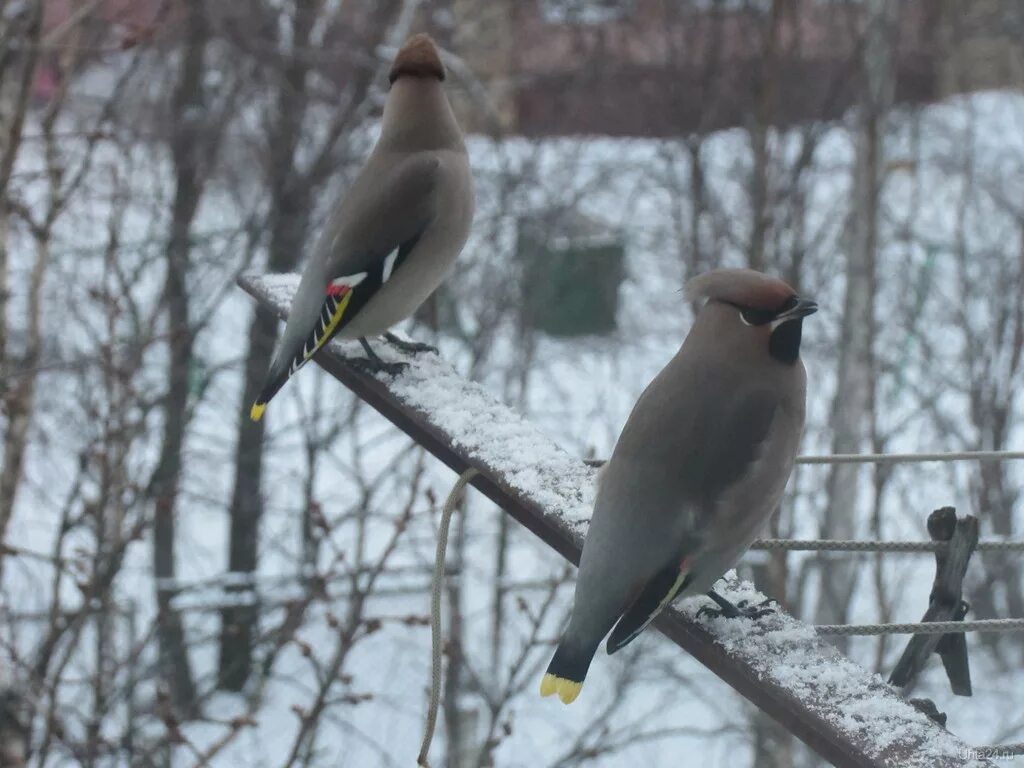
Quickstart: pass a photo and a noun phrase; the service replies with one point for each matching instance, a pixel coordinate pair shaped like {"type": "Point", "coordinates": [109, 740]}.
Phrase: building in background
{"type": "Point", "coordinates": [643, 68]}
{"type": "Point", "coordinates": [659, 68]}
{"type": "Point", "coordinates": [107, 26]}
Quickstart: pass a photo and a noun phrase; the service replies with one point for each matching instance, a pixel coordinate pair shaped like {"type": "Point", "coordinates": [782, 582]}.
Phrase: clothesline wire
{"type": "Point", "coordinates": [907, 458]}
{"type": "Point", "coordinates": [893, 458]}
{"type": "Point", "coordinates": [845, 545]}
{"type": "Point", "coordinates": [922, 628]}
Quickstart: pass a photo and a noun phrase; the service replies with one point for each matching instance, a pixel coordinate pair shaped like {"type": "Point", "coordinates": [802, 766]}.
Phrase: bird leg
{"type": "Point", "coordinates": [412, 347]}
{"type": "Point", "coordinates": [768, 605]}
{"type": "Point", "coordinates": [729, 610]}
{"type": "Point", "coordinates": [372, 362]}
{"type": "Point", "coordinates": [726, 607]}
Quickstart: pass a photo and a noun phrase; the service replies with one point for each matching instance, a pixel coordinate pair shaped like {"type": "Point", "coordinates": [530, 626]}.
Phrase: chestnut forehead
{"type": "Point", "coordinates": [418, 58]}
{"type": "Point", "coordinates": [769, 294]}
{"type": "Point", "coordinates": [744, 287]}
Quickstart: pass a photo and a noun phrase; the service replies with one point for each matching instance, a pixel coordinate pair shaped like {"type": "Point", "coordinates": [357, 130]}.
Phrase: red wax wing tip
{"type": "Point", "coordinates": [337, 290]}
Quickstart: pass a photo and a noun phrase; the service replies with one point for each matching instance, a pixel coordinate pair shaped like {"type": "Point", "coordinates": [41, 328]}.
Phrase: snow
{"type": "Point", "coordinates": [789, 653]}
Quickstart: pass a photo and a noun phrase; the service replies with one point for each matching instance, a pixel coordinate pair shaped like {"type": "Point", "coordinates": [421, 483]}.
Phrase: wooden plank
{"type": "Point", "coordinates": [847, 715]}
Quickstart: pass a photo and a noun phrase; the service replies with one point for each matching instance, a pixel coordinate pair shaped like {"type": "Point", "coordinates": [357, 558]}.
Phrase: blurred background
{"type": "Point", "coordinates": [180, 586]}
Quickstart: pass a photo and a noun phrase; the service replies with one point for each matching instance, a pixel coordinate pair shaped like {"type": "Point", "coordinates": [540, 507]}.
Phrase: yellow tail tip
{"type": "Point", "coordinates": [548, 685]}
{"type": "Point", "coordinates": [256, 412]}
{"type": "Point", "coordinates": [567, 690]}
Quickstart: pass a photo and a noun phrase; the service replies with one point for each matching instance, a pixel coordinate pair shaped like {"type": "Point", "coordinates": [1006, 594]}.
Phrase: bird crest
{"type": "Point", "coordinates": [418, 58]}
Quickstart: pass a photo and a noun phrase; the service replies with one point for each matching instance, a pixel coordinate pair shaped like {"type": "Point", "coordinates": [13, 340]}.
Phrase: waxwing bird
{"type": "Point", "coordinates": [698, 469]}
{"type": "Point", "coordinates": [397, 231]}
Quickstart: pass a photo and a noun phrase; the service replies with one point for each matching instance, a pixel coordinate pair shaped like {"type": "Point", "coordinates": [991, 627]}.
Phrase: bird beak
{"type": "Point", "coordinates": [802, 308]}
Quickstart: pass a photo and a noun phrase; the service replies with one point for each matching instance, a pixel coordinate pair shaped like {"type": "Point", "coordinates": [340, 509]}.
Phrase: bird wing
{"type": "Point", "coordinates": [659, 592]}
{"type": "Point", "coordinates": [369, 236]}
{"type": "Point", "coordinates": [723, 450]}
{"type": "Point", "coordinates": [345, 296]}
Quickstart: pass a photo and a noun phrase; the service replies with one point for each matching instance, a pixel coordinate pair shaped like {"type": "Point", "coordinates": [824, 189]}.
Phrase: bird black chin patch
{"type": "Point", "coordinates": [784, 344]}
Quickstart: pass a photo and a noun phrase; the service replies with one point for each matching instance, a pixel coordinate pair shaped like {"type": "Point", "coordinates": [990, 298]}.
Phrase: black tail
{"type": "Point", "coordinates": [570, 662]}
{"type": "Point", "coordinates": [567, 670]}
{"type": "Point", "coordinates": [271, 387]}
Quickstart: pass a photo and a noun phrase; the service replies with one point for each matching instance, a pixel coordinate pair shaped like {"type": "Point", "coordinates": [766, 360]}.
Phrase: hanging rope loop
{"type": "Point", "coordinates": [435, 611]}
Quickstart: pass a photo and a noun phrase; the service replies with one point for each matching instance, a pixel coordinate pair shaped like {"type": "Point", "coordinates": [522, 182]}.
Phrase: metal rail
{"type": "Point", "coordinates": [837, 722]}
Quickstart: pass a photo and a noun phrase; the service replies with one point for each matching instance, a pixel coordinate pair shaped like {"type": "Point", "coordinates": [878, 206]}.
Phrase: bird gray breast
{"type": "Point", "coordinates": [750, 501]}
{"type": "Point", "coordinates": [742, 511]}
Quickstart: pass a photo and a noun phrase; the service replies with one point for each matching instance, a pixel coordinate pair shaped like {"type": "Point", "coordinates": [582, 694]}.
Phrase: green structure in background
{"type": "Point", "coordinates": [572, 269]}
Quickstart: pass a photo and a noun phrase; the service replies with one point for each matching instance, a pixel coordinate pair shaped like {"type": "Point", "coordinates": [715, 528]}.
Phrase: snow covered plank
{"type": "Point", "coordinates": [847, 715]}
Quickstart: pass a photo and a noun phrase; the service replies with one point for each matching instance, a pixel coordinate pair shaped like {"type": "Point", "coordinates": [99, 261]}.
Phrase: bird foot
{"type": "Point", "coordinates": [766, 607]}
{"type": "Point", "coordinates": [412, 347]}
{"type": "Point", "coordinates": [743, 609]}
{"type": "Point", "coordinates": [371, 365]}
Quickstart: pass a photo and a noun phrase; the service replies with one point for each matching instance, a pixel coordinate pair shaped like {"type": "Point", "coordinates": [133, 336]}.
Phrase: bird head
{"type": "Point", "coordinates": [766, 306]}
{"type": "Point", "coordinates": [417, 58]}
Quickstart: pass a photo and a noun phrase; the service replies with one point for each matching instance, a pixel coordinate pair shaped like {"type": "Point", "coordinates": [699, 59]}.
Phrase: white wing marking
{"type": "Point", "coordinates": [389, 265]}
{"type": "Point", "coordinates": [351, 280]}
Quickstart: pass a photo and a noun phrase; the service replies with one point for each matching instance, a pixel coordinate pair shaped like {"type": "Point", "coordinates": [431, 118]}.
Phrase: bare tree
{"type": "Point", "coordinates": [853, 404]}
{"type": "Point", "coordinates": [20, 35]}
{"type": "Point", "coordinates": [193, 142]}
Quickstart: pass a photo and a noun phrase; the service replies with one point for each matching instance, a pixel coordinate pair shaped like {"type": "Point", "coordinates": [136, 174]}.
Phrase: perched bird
{"type": "Point", "coordinates": [698, 469]}
{"type": "Point", "coordinates": [393, 237]}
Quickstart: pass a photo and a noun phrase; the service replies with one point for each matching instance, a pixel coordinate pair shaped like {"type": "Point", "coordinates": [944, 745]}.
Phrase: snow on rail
{"type": "Point", "coordinates": [849, 716]}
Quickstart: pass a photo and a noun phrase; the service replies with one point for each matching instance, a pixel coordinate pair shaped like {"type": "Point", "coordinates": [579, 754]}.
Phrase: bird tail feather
{"type": "Point", "coordinates": [567, 670]}
{"type": "Point", "coordinates": [328, 324]}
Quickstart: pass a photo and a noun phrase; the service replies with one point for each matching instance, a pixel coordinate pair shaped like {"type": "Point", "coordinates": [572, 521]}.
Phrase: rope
{"type": "Point", "coordinates": [889, 458]}
{"type": "Point", "coordinates": [435, 612]}
{"type": "Point", "coordinates": [843, 545]}
{"type": "Point", "coordinates": [925, 628]}
{"type": "Point", "coordinates": [903, 458]}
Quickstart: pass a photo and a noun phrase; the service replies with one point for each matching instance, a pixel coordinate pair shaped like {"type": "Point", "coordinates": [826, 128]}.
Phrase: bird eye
{"type": "Point", "coordinates": [756, 316]}
{"type": "Point", "coordinates": [787, 305]}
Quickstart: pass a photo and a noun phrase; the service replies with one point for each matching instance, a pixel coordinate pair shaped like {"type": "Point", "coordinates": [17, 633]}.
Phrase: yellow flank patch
{"type": "Point", "coordinates": [567, 690]}
{"type": "Point", "coordinates": [256, 413]}
{"type": "Point", "coordinates": [333, 324]}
